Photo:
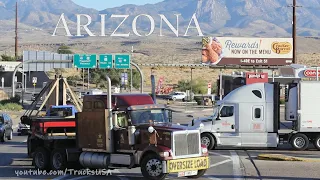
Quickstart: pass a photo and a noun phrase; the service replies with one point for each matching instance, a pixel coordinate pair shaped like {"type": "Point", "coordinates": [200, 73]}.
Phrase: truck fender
{"type": "Point", "coordinates": [212, 133]}
{"type": "Point", "coordinates": [152, 149]}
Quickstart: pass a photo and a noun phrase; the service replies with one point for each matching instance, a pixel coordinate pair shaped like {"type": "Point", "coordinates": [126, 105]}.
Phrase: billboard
{"type": "Point", "coordinates": [247, 51]}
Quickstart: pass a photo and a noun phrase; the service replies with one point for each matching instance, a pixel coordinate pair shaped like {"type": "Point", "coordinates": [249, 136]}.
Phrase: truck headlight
{"type": "Point", "coordinates": [201, 126]}
{"type": "Point", "coordinates": [164, 154]}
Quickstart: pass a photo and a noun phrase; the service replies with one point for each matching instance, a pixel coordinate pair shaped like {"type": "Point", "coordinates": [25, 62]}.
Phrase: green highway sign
{"type": "Point", "coordinates": [106, 61]}
{"type": "Point", "coordinates": [122, 61]}
{"type": "Point", "coordinates": [85, 61]}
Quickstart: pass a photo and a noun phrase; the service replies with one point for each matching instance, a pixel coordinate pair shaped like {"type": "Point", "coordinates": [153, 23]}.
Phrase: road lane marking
{"type": "Point", "coordinates": [211, 177]}
{"type": "Point", "coordinates": [218, 154]}
{"type": "Point", "coordinates": [122, 178]}
{"type": "Point", "coordinates": [61, 177]}
{"type": "Point", "coordinates": [220, 163]}
{"type": "Point", "coordinates": [77, 178]}
{"type": "Point", "coordinates": [236, 165]}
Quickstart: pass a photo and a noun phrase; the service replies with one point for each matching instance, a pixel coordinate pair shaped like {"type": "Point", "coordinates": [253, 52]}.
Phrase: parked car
{"type": "Point", "coordinates": [178, 96]}
{"type": "Point", "coordinates": [5, 127]}
{"type": "Point", "coordinates": [23, 129]}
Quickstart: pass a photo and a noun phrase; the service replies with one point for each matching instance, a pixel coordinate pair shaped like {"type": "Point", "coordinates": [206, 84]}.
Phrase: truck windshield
{"type": "Point", "coordinates": [145, 116]}
{"type": "Point", "coordinates": [62, 112]}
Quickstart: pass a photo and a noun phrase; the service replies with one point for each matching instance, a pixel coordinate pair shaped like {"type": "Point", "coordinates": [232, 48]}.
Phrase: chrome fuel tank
{"type": "Point", "coordinates": [94, 160]}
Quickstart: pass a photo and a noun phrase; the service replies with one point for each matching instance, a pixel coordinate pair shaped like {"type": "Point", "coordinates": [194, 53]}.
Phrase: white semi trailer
{"type": "Point", "coordinates": [250, 117]}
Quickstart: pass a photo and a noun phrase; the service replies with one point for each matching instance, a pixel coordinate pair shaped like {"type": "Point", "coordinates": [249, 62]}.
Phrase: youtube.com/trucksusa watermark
{"type": "Point", "coordinates": [73, 172]}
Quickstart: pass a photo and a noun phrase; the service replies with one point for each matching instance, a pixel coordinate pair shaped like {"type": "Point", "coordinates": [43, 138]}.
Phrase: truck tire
{"type": "Point", "coordinates": [300, 142]}
{"type": "Point", "coordinates": [10, 135]}
{"type": "Point", "coordinates": [208, 140]}
{"type": "Point", "coordinates": [151, 167]}
{"type": "Point", "coordinates": [316, 142]}
{"type": "Point", "coordinates": [29, 146]}
{"type": "Point", "coordinates": [58, 159]}
{"type": "Point", "coordinates": [41, 158]}
{"type": "Point", "coordinates": [200, 174]}
{"type": "Point", "coordinates": [3, 137]}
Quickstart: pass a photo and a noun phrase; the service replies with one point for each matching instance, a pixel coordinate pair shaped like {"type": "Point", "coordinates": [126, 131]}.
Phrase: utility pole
{"type": "Point", "coordinates": [294, 30]}
{"type": "Point", "coordinates": [16, 38]}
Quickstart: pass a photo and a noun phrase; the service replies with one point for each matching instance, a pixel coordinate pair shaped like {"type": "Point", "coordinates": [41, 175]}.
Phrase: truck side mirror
{"type": "Point", "coordinates": [169, 113]}
{"type": "Point", "coordinates": [218, 117]}
{"type": "Point", "coordinates": [212, 121]}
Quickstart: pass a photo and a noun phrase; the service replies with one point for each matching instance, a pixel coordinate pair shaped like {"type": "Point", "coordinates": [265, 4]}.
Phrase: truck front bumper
{"type": "Point", "coordinates": [185, 165]}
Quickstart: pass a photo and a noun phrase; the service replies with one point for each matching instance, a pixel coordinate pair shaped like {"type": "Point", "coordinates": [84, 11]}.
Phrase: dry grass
{"type": "Point", "coordinates": [3, 95]}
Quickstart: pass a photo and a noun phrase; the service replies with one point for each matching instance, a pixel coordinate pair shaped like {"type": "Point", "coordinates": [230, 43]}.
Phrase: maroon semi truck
{"type": "Point", "coordinates": [124, 131]}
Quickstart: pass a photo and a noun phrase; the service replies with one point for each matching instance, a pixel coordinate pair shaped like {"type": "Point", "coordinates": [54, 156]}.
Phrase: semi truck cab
{"type": "Point", "coordinates": [247, 117]}
{"type": "Point", "coordinates": [139, 136]}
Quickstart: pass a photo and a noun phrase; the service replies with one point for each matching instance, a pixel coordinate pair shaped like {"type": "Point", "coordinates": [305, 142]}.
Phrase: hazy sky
{"type": "Point", "coordinates": [104, 4]}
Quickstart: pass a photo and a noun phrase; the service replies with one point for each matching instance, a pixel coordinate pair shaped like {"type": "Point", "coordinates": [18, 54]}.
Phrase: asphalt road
{"type": "Point", "coordinates": [225, 164]}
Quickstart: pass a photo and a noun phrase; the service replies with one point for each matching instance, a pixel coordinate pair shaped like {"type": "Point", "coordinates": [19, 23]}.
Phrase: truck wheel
{"type": "Point", "coordinates": [3, 137]}
{"type": "Point", "coordinates": [151, 167]}
{"type": "Point", "coordinates": [10, 136]}
{"type": "Point", "coordinates": [208, 140]}
{"type": "Point", "coordinates": [41, 158]}
{"type": "Point", "coordinates": [58, 159]}
{"type": "Point", "coordinates": [300, 142]}
{"type": "Point", "coordinates": [29, 146]}
{"type": "Point", "coordinates": [316, 142]}
{"type": "Point", "coordinates": [200, 174]}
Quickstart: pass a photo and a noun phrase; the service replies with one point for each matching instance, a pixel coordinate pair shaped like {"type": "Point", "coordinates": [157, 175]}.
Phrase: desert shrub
{"type": "Point", "coordinates": [11, 107]}
{"type": "Point", "coordinates": [15, 100]}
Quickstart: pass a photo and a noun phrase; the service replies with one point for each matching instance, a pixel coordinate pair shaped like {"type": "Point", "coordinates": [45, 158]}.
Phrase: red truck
{"type": "Point", "coordinates": [124, 131]}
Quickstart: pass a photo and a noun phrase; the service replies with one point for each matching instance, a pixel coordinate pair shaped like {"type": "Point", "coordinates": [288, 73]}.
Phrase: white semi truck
{"type": "Point", "coordinates": [249, 117]}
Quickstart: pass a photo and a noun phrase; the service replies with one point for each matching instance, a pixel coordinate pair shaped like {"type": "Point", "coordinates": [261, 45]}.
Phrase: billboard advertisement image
{"type": "Point", "coordinates": [247, 51]}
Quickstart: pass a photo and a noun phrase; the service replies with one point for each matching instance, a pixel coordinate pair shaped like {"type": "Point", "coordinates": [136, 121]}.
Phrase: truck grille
{"type": "Point", "coordinates": [186, 144]}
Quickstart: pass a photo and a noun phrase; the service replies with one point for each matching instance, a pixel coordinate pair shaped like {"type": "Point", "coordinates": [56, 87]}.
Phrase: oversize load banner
{"type": "Point", "coordinates": [247, 51]}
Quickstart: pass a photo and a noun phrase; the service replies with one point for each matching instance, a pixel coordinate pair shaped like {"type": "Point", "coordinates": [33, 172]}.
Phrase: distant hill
{"type": "Point", "coordinates": [262, 18]}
